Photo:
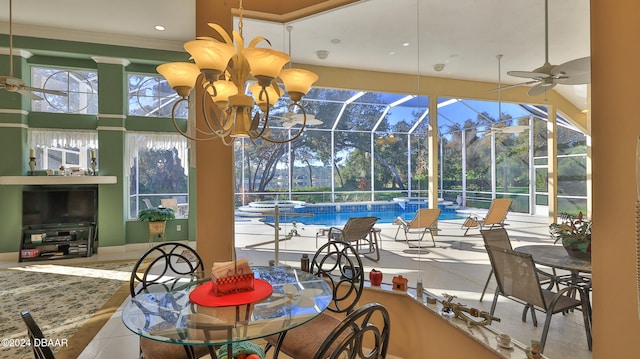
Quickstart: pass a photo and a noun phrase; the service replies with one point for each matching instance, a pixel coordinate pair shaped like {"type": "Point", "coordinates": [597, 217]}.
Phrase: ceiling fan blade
{"type": "Point", "coordinates": [288, 124]}
{"type": "Point", "coordinates": [581, 79]}
{"type": "Point", "coordinates": [540, 89]}
{"type": "Point", "coordinates": [577, 72]}
{"type": "Point", "coordinates": [514, 85]}
{"type": "Point", "coordinates": [14, 81]}
{"type": "Point", "coordinates": [313, 121]}
{"type": "Point", "coordinates": [576, 66]}
{"type": "Point", "coordinates": [33, 96]}
{"type": "Point", "coordinates": [527, 74]}
{"type": "Point", "coordinates": [53, 92]}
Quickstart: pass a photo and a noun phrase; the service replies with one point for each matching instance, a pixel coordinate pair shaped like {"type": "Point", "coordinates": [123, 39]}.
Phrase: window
{"type": "Point", "coordinates": [81, 87]}
{"type": "Point", "coordinates": [158, 172]}
{"type": "Point", "coordinates": [151, 96]}
{"type": "Point", "coordinates": [68, 151]}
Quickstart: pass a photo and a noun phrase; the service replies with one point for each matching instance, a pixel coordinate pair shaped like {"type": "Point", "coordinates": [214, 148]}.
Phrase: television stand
{"type": "Point", "coordinates": [57, 241]}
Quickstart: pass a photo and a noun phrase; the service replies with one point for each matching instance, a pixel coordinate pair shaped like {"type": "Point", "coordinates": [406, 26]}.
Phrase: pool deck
{"type": "Point", "coordinates": [458, 265]}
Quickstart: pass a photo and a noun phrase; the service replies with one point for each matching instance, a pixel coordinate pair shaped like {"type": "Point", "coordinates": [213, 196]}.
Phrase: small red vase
{"type": "Point", "coordinates": [375, 277]}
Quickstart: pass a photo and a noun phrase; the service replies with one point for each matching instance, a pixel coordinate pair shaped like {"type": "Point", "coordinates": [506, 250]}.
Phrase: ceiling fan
{"type": "Point", "coordinates": [547, 76]}
{"type": "Point", "coordinates": [290, 119]}
{"type": "Point", "coordinates": [14, 84]}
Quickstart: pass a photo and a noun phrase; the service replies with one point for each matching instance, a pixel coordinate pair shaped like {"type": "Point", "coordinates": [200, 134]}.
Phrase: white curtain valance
{"type": "Point", "coordinates": [155, 141]}
{"type": "Point", "coordinates": [62, 138]}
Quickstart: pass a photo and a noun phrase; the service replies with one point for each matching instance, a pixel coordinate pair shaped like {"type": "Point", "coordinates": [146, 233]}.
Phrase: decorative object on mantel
{"type": "Point", "coordinates": [400, 283]}
{"type": "Point", "coordinates": [32, 162]}
{"type": "Point", "coordinates": [157, 218]}
{"type": "Point", "coordinates": [466, 314]}
{"type": "Point", "coordinates": [93, 163]}
{"type": "Point", "coordinates": [575, 234]}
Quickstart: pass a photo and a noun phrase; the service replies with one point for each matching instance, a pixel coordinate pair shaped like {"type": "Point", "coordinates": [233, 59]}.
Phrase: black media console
{"type": "Point", "coordinates": [54, 241]}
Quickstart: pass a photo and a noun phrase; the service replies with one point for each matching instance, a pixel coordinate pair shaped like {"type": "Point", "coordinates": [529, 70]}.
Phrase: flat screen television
{"type": "Point", "coordinates": [59, 205]}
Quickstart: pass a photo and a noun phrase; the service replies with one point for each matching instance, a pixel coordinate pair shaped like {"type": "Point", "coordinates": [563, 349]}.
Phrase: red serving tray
{"type": "Point", "coordinates": [203, 295]}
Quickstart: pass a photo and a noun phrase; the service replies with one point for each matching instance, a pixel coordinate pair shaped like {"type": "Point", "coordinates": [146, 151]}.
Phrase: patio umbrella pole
{"type": "Point", "coordinates": [277, 237]}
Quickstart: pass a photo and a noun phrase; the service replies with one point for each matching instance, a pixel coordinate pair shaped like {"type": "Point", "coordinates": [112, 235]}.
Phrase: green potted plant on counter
{"type": "Point", "coordinates": [157, 218]}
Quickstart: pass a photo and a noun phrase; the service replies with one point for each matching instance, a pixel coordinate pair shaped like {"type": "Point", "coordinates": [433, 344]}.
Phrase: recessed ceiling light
{"type": "Point", "coordinates": [159, 27]}
{"type": "Point", "coordinates": [392, 53]}
{"type": "Point", "coordinates": [406, 44]}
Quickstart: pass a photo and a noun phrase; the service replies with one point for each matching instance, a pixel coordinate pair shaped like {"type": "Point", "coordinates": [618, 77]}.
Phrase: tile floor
{"type": "Point", "coordinates": [458, 265]}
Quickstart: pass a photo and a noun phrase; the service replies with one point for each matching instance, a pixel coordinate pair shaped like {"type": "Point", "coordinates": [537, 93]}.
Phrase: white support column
{"type": "Point", "coordinates": [552, 168]}
{"type": "Point", "coordinates": [433, 152]}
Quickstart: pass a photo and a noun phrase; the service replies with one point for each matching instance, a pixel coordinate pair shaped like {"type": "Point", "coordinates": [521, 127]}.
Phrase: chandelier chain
{"type": "Point", "coordinates": [240, 19]}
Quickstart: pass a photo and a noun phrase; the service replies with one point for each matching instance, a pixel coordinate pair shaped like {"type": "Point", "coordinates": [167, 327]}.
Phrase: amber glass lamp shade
{"type": "Point", "coordinates": [265, 63]}
{"type": "Point", "coordinates": [297, 81]}
{"type": "Point", "coordinates": [261, 101]}
{"type": "Point", "coordinates": [181, 76]}
{"type": "Point", "coordinates": [210, 54]}
{"type": "Point", "coordinates": [224, 89]}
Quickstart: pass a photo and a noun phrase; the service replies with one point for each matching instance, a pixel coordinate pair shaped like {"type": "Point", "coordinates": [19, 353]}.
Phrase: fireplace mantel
{"type": "Point", "coordinates": [57, 180]}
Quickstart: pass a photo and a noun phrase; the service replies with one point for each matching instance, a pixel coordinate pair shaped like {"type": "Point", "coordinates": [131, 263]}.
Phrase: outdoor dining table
{"type": "Point", "coordinates": [555, 257]}
{"type": "Point", "coordinates": [168, 313]}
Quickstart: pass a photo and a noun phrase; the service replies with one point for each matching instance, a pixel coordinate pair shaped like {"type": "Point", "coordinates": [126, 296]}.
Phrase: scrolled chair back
{"type": "Point", "coordinates": [362, 334]}
{"type": "Point", "coordinates": [161, 262]}
{"type": "Point", "coordinates": [339, 264]}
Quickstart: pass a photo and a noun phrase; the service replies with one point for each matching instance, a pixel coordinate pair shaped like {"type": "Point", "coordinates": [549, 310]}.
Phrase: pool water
{"type": "Point", "coordinates": [340, 218]}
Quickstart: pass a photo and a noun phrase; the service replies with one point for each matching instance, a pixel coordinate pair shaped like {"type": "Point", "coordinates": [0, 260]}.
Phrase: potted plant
{"type": "Point", "coordinates": [157, 218]}
{"type": "Point", "coordinates": [575, 234]}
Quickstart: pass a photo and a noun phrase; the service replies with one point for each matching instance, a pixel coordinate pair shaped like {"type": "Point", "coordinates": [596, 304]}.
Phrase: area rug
{"type": "Point", "coordinates": [71, 301]}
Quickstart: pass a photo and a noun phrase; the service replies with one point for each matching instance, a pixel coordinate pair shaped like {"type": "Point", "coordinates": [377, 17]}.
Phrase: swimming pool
{"type": "Point", "coordinates": [340, 218]}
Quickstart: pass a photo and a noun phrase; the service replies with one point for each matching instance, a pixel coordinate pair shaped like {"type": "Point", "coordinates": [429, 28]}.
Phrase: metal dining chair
{"type": "Point", "coordinates": [155, 267]}
{"type": "Point", "coordinates": [34, 332]}
{"type": "Point", "coordinates": [340, 265]}
{"type": "Point", "coordinates": [362, 325]}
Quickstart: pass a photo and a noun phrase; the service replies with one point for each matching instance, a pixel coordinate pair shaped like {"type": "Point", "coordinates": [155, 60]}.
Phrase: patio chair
{"type": "Point", "coordinates": [495, 217]}
{"type": "Point", "coordinates": [34, 332]}
{"type": "Point", "coordinates": [425, 221]}
{"type": "Point", "coordinates": [337, 262]}
{"type": "Point", "coordinates": [498, 237]}
{"type": "Point", "coordinates": [358, 231]}
{"type": "Point", "coordinates": [518, 280]}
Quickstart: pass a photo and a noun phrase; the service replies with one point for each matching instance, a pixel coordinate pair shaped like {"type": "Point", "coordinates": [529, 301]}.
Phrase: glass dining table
{"type": "Point", "coordinates": [166, 312]}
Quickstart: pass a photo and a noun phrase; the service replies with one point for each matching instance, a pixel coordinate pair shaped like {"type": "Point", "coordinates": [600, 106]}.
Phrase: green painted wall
{"type": "Point", "coordinates": [111, 124]}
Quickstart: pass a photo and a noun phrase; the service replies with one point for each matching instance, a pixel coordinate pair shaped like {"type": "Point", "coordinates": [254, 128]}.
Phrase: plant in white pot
{"type": "Point", "coordinates": [157, 218]}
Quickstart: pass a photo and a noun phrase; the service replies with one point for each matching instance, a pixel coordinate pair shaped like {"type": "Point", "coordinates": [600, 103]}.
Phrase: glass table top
{"type": "Point", "coordinates": [165, 313]}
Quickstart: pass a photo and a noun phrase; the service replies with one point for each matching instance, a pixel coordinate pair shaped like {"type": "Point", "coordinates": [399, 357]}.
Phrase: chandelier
{"type": "Point", "coordinates": [222, 70]}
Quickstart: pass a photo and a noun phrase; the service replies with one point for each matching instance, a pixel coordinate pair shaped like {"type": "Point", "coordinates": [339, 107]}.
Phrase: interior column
{"type": "Point", "coordinates": [214, 163]}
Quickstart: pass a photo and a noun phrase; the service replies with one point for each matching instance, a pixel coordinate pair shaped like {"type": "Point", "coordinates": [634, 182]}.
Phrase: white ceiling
{"type": "Point", "coordinates": [465, 35]}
